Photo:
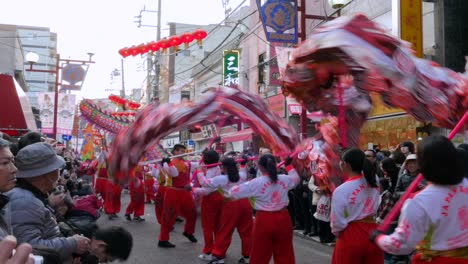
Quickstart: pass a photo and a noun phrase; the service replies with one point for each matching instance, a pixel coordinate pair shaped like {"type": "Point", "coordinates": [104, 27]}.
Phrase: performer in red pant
{"type": "Point", "coordinates": [161, 175]}
{"type": "Point", "coordinates": [178, 200]}
{"type": "Point", "coordinates": [137, 198]}
{"type": "Point", "coordinates": [112, 199]}
{"type": "Point", "coordinates": [272, 232]}
{"type": "Point", "coordinates": [354, 205]}
{"type": "Point", "coordinates": [211, 205]}
{"type": "Point", "coordinates": [149, 191]}
{"type": "Point", "coordinates": [101, 179]}
{"type": "Point", "coordinates": [235, 213]}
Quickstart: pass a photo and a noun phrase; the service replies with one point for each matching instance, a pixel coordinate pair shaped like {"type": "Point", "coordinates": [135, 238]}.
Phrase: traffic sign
{"type": "Point", "coordinates": [67, 137]}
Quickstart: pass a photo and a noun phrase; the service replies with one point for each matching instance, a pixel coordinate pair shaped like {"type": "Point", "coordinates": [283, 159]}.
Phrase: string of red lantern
{"type": "Point", "coordinates": [124, 102]}
{"type": "Point", "coordinates": [165, 44]}
{"type": "Point", "coordinates": [122, 114]}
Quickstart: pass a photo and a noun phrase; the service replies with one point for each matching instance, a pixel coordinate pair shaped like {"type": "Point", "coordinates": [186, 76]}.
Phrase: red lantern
{"type": "Point", "coordinates": [164, 44]}
{"type": "Point", "coordinates": [153, 46]}
{"type": "Point", "coordinates": [175, 42]}
{"type": "Point", "coordinates": [133, 50]}
{"type": "Point", "coordinates": [124, 52]}
{"type": "Point", "coordinates": [186, 39]}
{"type": "Point", "coordinates": [142, 49]}
{"type": "Point", "coordinates": [199, 35]}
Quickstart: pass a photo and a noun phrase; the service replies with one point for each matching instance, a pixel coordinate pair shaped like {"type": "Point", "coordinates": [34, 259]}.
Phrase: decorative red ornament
{"type": "Point", "coordinates": [133, 50]}
{"type": "Point", "coordinates": [186, 39]}
{"type": "Point", "coordinates": [164, 44]}
{"type": "Point", "coordinates": [142, 49]}
{"type": "Point", "coordinates": [124, 52]}
{"type": "Point", "coordinates": [175, 42]}
{"type": "Point", "coordinates": [153, 46]}
{"type": "Point", "coordinates": [199, 35]}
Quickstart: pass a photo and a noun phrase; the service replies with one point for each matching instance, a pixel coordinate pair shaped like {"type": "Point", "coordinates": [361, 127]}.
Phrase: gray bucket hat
{"type": "Point", "coordinates": [37, 159]}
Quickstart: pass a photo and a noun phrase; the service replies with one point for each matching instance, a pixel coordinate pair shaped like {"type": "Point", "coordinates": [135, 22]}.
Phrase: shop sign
{"type": "Point", "coordinates": [411, 24]}
{"type": "Point", "coordinates": [279, 19]}
{"type": "Point", "coordinates": [209, 131]}
{"type": "Point", "coordinates": [231, 68]}
{"type": "Point", "coordinates": [380, 109]}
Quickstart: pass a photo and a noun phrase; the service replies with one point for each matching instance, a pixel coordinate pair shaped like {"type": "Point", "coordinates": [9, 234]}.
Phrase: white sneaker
{"type": "Point", "coordinates": [217, 261]}
{"type": "Point", "coordinates": [206, 257]}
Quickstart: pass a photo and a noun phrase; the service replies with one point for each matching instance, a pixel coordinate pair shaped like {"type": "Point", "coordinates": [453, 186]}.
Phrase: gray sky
{"type": "Point", "coordinates": [105, 26]}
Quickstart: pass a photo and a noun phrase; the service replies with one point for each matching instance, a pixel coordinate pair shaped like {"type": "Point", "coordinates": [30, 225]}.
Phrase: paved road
{"type": "Point", "coordinates": [146, 251]}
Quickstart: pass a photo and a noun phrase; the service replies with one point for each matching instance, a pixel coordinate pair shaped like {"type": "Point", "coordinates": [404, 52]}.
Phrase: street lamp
{"type": "Point", "coordinates": [336, 4]}
{"type": "Point", "coordinates": [33, 58]}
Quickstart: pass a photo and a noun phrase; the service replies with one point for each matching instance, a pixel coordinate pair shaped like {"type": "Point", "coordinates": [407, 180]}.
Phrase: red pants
{"type": "Point", "coordinates": [137, 201]}
{"type": "Point", "coordinates": [149, 182]}
{"type": "Point", "coordinates": [272, 235]}
{"type": "Point", "coordinates": [236, 214]}
{"type": "Point", "coordinates": [211, 208]}
{"type": "Point", "coordinates": [100, 187]}
{"type": "Point", "coordinates": [112, 200]}
{"type": "Point", "coordinates": [159, 203]}
{"type": "Point", "coordinates": [177, 202]}
{"type": "Point", "coordinates": [438, 260]}
{"type": "Point", "coordinates": [354, 247]}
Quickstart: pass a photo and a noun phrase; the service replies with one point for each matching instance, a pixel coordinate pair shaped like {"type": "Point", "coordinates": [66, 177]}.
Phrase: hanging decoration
{"type": "Point", "coordinates": [199, 35]}
{"type": "Point", "coordinates": [165, 43]}
{"type": "Point", "coordinates": [127, 104]}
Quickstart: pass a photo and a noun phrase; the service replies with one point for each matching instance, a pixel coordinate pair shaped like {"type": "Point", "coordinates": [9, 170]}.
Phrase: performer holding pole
{"type": "Point", "coordinates": [270, 193]}
{"type": "Point", "coordinates": [137, 197]}
{"type": "Point", "coordinates": [354, 205]}
{"type": "Point", "coordinates": [211, 205]}
{"type": "Point", "coordinates": [149, 183]}
{"type": "Point", "coordinates": [178, 201]}
{"type": "Point", "coordinates": [235, 213]}
{"type": "Point", "coordinates": [434, 221]}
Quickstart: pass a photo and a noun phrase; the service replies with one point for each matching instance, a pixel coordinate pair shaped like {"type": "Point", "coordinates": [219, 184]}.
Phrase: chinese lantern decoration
{"type": "Point", "coordinates": [175, 41]}
{"type": "Point", "coordinates": [153, 46]}
{"type": "Point", "coordinates": [186, 38]}
{"type": "Point", "coordinates": [127, 104]}
{"type": "Point", "coordinates": [199, 35]}
{"type": "Point", "coordinates": [123, 114]}
{"type": "Point", "coordinates": [133, 50]}
{"type": "Point", "coordinates": [124, 52]}
{"type": "Point", "coordinates": [164, 44]}
{"type": "Point", "coordinates": [142, 49]}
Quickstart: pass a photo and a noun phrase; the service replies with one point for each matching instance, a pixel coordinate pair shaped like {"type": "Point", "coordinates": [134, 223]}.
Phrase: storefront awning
{"type": "Point", "coordinates": [245, 134]}
{"type": "Point", "coordinates": [16, 118]}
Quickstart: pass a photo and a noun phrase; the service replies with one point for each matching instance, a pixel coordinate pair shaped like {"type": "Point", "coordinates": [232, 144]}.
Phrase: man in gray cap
{"type": "Point", "coordinates": [32, 218]}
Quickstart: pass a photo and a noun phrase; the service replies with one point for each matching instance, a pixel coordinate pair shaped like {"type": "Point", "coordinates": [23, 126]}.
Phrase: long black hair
{"type": "Point", "coordinates": [389, 166]}
{"type": "Point", "coordinates": [358, 162]}
{"type": "Point", "coordinates": [268, 162]}
{"type": "Point", "coordinates": [230, 168]}
{"type": "Point", "coordinates": [439, 161]}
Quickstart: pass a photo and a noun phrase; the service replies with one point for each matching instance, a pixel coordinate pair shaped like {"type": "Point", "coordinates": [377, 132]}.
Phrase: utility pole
{"type": "Point", "coordinates": [123, 80]}
{"type": "Point", "coordinates": [153, 61]}
{"type": "Point", "coordinates": [157, 64]}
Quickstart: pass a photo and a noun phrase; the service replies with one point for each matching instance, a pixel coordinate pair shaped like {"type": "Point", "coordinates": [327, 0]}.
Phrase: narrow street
{"type": "Point", "coordinates": [146, 251]}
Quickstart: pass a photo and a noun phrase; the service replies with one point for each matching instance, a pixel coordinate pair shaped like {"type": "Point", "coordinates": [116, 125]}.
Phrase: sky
{"type": "Point", "coordinates": [105, 26]}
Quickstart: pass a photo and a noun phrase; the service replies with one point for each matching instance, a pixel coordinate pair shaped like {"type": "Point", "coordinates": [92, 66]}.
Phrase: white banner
{"type": "Point", "coordinates": [65, 112]}
{"type": "Point", "coordinates": [282, 56]}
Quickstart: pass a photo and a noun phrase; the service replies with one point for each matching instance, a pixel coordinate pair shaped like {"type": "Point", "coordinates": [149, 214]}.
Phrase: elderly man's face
{"type": "Point", "coordinates": [7, 170]}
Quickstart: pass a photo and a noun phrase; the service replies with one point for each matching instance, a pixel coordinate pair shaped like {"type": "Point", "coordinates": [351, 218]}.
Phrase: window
{"type": "Point", "coordinates": [261, 68]}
